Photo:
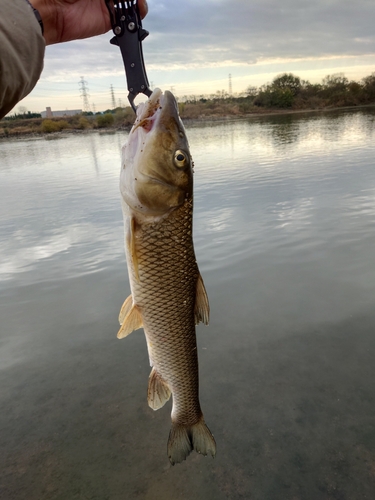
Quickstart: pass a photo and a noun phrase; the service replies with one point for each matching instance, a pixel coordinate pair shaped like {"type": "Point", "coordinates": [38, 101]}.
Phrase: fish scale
{"type": "Point", "coordinates": [167, 306]}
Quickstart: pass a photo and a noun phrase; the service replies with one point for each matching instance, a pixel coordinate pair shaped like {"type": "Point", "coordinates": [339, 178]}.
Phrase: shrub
{"type": "Point", "coordinates": [246, 107]}
{"type": "Point", "coordinates": [275, 97]}
{"type": "Point", "coordinates": [106, 120]}
{"type": "Point", "coordinates": [62, 124]}
{"type": "Point", "coordinates": [124, 116]}
{"type": "Point", "coordinates": [83, 123]}
{"type": "Point", "coordinates": [282, 98]}
{"type": "Point", "coordinates": [49, 126]}
{"type": "Point", "coordinates": [315, 102]}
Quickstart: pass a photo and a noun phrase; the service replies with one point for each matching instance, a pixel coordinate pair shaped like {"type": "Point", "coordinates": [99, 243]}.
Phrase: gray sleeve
{"type": "Point", "coordinates": [21, 52]}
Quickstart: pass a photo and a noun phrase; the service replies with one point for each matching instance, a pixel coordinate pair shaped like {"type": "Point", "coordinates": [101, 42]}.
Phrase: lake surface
{"type": "Point", "coordinates": [285, 239]}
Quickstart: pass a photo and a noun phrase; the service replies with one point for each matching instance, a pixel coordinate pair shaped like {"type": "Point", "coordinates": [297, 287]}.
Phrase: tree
{"type": "Point", "coordinates": [251, 91]}
{"type": "Point", "coordinates": [287, 81]}
{"type": "Point", "coordinates": [369, 87]}
{"type": "Point", "coordinates": [282, 98]}
{"type": "Point", "coordinates": [337, 82]}
{"type": "Point", "coordinates": [335, 88]}
{"type": "Point", "coordinates": [22, 110]}
{"type": "Point", "coordinates": [280, 93]}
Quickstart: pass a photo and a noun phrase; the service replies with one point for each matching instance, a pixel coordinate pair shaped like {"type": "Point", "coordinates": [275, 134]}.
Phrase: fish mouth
{"type": "Point", "coordinates": [149, 113]}
{"type": "Point", "coordinates": [159, 107]}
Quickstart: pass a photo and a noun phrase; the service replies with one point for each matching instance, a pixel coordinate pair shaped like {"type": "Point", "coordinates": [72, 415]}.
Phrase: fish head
{"type": "Point", "coordinates": [157, 169]}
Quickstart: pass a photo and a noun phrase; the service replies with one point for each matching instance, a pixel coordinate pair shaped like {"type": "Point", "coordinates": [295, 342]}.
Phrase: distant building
{"type": "Point", "coordinates": [48, 113]}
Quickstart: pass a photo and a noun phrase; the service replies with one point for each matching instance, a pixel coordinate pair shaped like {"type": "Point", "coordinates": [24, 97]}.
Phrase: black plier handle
{"type": "Point", "coordinates": [129, 34]}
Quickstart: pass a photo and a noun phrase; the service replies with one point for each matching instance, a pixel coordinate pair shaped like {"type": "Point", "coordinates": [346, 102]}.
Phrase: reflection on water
{"type": "Point", "coordinates": [284, 234]}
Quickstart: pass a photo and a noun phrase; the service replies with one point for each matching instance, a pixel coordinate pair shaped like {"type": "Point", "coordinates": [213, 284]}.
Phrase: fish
{"type": "Point", "coordinates": [168, 297]}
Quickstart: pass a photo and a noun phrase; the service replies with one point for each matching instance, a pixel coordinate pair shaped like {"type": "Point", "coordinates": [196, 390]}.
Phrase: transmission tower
{"type": "Point", "coordinates": [84, 91]}
{"type": "Point", "coordinates": [113, 97]}
{"type": "Point", "coordinates": [230, 84]}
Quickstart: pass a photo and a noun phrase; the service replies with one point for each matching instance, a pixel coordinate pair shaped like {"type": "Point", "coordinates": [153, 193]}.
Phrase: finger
{"type": "Point", "coordinates": [143, 8]}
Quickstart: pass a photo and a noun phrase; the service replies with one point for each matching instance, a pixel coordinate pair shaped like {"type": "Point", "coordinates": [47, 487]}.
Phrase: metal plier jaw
{"type": "Point", "coordinates": [129, 34]}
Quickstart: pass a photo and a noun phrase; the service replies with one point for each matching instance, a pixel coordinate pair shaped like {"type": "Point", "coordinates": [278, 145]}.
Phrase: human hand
{"type": "Point", "coordinates": [66, 20]}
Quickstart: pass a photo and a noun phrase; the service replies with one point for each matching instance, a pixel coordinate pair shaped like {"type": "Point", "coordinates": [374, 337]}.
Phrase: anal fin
{"type": "Point", "coordinates": [158, 391]}
{"type": "Point", "coordinates": [202, 307]}
{"type": "Point", "coordinates": [132, 321]}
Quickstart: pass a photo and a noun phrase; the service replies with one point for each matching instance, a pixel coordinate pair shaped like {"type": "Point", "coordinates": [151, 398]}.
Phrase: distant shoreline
{"type": "Point", "coordinates": [272, 112]}
{"type": "Point", "coordinates": [188, 121]}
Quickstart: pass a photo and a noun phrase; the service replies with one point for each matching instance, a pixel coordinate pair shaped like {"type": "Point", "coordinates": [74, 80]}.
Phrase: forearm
{"type": "Point", "coordinates": [21, 55]}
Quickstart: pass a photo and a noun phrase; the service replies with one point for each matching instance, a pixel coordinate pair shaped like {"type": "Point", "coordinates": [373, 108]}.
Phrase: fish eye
{"type": "Point", "coordinates": [180, 159]}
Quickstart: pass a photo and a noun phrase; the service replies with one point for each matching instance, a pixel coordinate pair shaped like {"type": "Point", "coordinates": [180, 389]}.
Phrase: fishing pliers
{"type": "Point", "coordinates": [129, 34]}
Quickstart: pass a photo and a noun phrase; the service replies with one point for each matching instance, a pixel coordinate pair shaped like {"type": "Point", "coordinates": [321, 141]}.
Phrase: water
{"type": "Point", "coordinates": [284, 236]}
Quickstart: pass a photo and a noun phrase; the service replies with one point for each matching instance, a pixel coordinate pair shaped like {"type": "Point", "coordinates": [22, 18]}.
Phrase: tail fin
{"type": "Point", "coordinates": [183, 439]}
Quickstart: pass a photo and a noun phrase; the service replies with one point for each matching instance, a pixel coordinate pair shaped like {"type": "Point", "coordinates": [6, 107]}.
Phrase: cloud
{"type": "Point", "coordinates": [194, 41]}
{"type": "Point", "coordinates": [216, 33]}
{"type": "Point", "coordinates": [242, 31]}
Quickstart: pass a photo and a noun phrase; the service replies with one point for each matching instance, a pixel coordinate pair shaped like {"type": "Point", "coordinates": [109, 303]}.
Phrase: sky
{"type": "Point", "coordinates": [194, 46]}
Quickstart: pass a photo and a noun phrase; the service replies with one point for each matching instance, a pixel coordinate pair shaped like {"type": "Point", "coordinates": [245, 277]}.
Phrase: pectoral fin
{"type": "Point", "coordinates": [202, 307]}
{"type": "Point", "coordinates": [132, 321]}
{"type": "Point", "coordinates": [158, 391]}
{"type": "Point", "coordinates": [125, 309]}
